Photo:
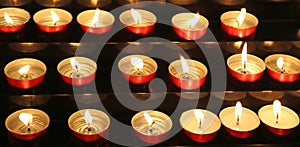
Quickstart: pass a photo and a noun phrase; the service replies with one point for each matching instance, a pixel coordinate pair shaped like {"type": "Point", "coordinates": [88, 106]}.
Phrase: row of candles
{"type": "Point", "coordinates": [187, 74]}
{"type": "Point", "coordinates": [153, 126]}
{"type": "Point", "coordinates": [189, 26]}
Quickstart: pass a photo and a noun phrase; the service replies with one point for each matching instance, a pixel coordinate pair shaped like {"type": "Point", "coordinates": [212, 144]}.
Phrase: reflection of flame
{"type": "Point", "coordinates": [96, 17]}
{"type": "Point", "coordinates": [184, 65]}
{"type": "Point", "coordinates": [280, 62]}
{"type": "Point", "coordinates": [137, 62]}
{"type": "Point", "coordinates": [240, 19]}
{"type": "Point", "coordinates": [276, 109]}
{"type": "Point", "coordinates": [238, 44]}
{"type": "Point", "coordinates": [55, 17]}
{"type": "Point", "coordinates": [238, 111]}
{"type": "Point", "coordinates": [192, 22]}
{"type": "Point", "coordinates": [26, 118]}
{"type": "Point", "coordinates": [148, 118]}
{"type": "Point", "coordinates": [137, 17]}
{"type": "Point", "coordinates": [75, 65]}
{"type": "Point", "coordinates": [199, 116]}
{"type": "Point", "coordinates": [268, 43]}
{"type": "Point", "coordinates": [24, 69]}
{"type": "Point", "coordinates": [8, 19]}
{"type": "Point", "coordinates": [88, 117]}
{"type": "Point", "coordinates": [94, 2]}
{"type": "Point", "coordinates": [244, 55]}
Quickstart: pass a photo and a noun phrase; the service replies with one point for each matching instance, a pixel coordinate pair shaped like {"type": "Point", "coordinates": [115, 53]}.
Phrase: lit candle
{"type": "Point", "coordinates": [239, 122]}
{"type": "Point", "coordinates": [25, 73]}
{"type": "Point", "coordinates": [52, 20]}
{"type": "Point", "coordinates": [278, 119]}
{"type": "Point", "coordinates": [187, 74]}
{"type": "Point", "coordinates": [13, 19]}
{"type": "Point", "coordinates": [96, 21]}
{"type": "Point", "coordinates": [151, 126]}
{"type": "Point", "coordinates": [89, 124]}
{"type": "Point", "coordinates": [200, 125]}
{"type": "Point", "coordinates": [138, 69]}
{"type": "Point", "coordinates": [245, 67]}
{"type": "Point", "coordinates": [138, 21]}
{"type": "Point", "coordinates": [78, 71]}
{"type": "Point", "coordinates": [239, 23]}
{"type": "Point", "coordinates": [27, 124]}
{"type": "Point", "coordinates": [190, 26]}
{"type": "Point", "coordinates": [283, 68]}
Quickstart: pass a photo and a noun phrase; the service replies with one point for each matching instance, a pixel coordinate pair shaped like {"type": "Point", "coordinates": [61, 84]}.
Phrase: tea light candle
{"type": "Point", "coordinates": [96, 21]}
{"type": "Point", "coordinates": [238, 121]}
{"type": "Point", "coordinates": [77, 71]}
{"type": "Point", "coordinates": [245, 67]}
{"type": "Point", "coordinates": [200, 125]}
{"type": "Point", "coordinates": [138, 69]}
{"type": "Point", "coordinates": [278, 119]}
{"type": "Point", "coordinates": [52, 20]}
{"type": "Point", "coordinates": [27, 124]}
{"type": "Point", "coordinates": [151, 126]}
{"type": "Point", "coordinates": [25, 73]}
{"type": "Point", "coordinates": [187, 74]}
{"type": "Point", "coordinates": [13, 19]}
{"type": "Point", "coordinates": [238, 23]}
{"type": "Point", "coordinates": [89, 124]}
{"type": "Point", "coordinates": [190, 26]}
{"type": "Point", "coordinates": [138, 21]}
{"type": "Point", "coordinates": [283, 68]}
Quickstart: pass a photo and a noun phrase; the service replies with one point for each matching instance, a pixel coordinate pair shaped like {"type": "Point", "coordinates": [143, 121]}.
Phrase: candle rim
{"type": "Point", "coordinates": [37, 15]}
{"type": "Point", "coordinates": [269, 60]}
{"type": "Point", "coordinates": [236, 13]}
{"type": "Point", "coordinates": [260, 62]}
{"type": "Point", "coordinates": [124, 14]}
{"type": "Point", "coordinates": [202, 18]}
{"type": "Point", "coordinates": [106, 13]}
{"type": "Point", "coordinates": [25, 14]}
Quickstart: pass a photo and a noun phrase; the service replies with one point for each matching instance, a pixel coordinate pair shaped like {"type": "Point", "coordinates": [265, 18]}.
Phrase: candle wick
{"type": "Point", "coordinates": [277, 117]}
{"type": "Point", "coordinates": [200, 124]}
{"type": "Point", "coordinates": [28, 127]}
{"type": "Point", "coordinates": [244, 68]}
{"type": "Point", "coordinates": [151, 127]}
{"type": "Point", "coordinates": [238, 121]}
{"type": "Point", "coordinates": [282, 70]}
{"type": "Point", "coordinates": [55, 23]}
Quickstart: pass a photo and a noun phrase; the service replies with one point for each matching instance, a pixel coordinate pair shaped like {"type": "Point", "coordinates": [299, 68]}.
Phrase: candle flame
{"type": "Point", "coordinates": [137, 17]}
{"type": "Point", "coordinates": [280, 62]}
{"type": "Point", "coordinates": [148, 118]}
{"type": "Point", "coordinates": [199, 116]}
{"type": "Point", "coordinates": [240, 19]}
{"type": "Point", "coordinates": [137, 62]}
{"type": "Point", "coordinates": [96, 17]}
{"type": "Point", "coordinates": [55, 17]}
{"type": "Point", "coordinates": [24, 69]}
{"type": "Point", "coordinates": [192, 22]}
{"type": "Point", "coordinates": [277, 109]}
{"type": "Point", "coordinates": [7, 18]}
{"type": "Point", "coordinates": [244, 55]}
{"type": "Point", "coordinates": [185, 67]}
{"type": "Point", "coordinates": [75, 64]}
{"type": "Point", "coordinates": [26, 118]}
{"type": "Point", "coordinates": [88, 117]}
{"type": "Point", "coordinates": [238, 111]}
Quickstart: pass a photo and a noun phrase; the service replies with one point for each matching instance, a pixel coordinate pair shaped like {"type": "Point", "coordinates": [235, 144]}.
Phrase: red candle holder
{"type": "Point", "coordinates": [138, 69]}
{"type": "Point", "coordinates": [25, 73]}
{"type": "Point", "coordinates": [151, 132]}
{"type": "Point", "coordinates": [89, 124]}
{"type": "Point", "coordinates": [138, 21]}
{"type": "Point", "coordinates": [254, 70]}
{"type": "Point", "coordinates": [13, 19]}
{"type": "Point", "coordinates": [194, 78]}
{"type": "Point", "coordinates": [52, 20]}
{"type": "Point", "coordinates": [200, 132]}
{"type": "Point", "coordinates": [231, 27]}
{"type": "Point", "coordinates": [96, 21]}
{"type": "Point", "coordinates": [190, 26]}
{"type": "Point", "coordinates": [77, 71]}
{"type": "Point", "coordinates": [290, 70]}
{"type": "Point", "coordinates": [27, 124]}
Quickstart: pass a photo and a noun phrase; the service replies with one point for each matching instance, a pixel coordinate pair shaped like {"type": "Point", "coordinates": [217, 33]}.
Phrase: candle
{"type": "Point", "coordinates": [13, 19]}
{"type": "Point", "coordinates": [25, 73]}
{"type": "Point", "coordinates": [77, 71]}
{"type": "Point", "coordinates": [138, 69]}
{"type": "Point", "coordinates": [52, 20]}
{"type": "Point", "coordinates": [138, 21]}
{"type": "Point", "coordinates": [151, 126]}
{"type": "Point", "coordinates": [245, 67]}
{"type": "Point", "coordinates": [283, 68]}
{"type": "Point", "coordinates": [14, 2]}
{"type": "Point", "coordinates": [200, 125]}
{"type": "Point", "coordinates": [53, 3]}
{"type": "Point", "coordinates": [239, 122]}
{"type": "Point", "coordinates": [96, 21]}
{"type": "Point", "coordinates": [190, 26]}
{"type": "Point", "coordinates": [89, 124]}
{"type": "Point", "coordinates": [27, 124]}
{"type": "Point", "coordinates": [238, 23]}
{"type": "Point", "coordinates": [278, 119]}
{"type": "Point", "coordinates": [187, 74]}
